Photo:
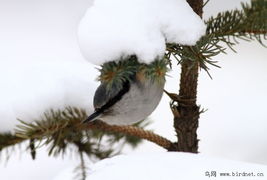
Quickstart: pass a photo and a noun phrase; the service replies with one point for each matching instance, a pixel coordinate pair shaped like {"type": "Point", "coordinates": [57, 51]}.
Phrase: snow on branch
{"type": "Point", "coordinates": [111, 30]}
{"type": "Point", "coordinates": [249, 23]}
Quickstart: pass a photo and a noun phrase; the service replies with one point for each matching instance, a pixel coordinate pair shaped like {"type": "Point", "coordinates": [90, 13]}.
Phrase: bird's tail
{"type": "Point", "coordinates": [92, 117]}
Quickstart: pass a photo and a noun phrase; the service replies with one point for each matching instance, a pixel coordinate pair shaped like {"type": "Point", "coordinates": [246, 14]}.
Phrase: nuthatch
{"type": "Point", "coordinates": [133, 102]}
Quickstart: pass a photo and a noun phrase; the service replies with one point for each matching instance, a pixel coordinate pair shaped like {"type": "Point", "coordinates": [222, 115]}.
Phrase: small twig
{"type": "Point", "coordinates": [83, 167]}
{"type": "Point", "coordinates": [255, 32]}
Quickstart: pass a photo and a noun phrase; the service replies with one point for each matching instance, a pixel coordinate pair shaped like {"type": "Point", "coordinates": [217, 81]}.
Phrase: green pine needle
{"type": "Point", "coordinates": [249, 23]}
{"type": "Point", "coordinates": [115, 73]}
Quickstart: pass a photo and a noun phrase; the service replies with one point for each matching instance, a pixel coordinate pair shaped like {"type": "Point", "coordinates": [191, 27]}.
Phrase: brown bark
{"type": "Point", "coordinates": [197, 6]}
{"type": "Point", "coordinates": [186, 112]}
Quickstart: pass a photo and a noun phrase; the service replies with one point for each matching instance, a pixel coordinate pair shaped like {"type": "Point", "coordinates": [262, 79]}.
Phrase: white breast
{"type": "Point", "coordinates": [136, 105]}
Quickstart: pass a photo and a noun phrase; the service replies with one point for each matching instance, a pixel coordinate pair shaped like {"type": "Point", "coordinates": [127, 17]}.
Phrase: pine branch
{"type": "Point", "coordinates": [201, 54]}
{"type": "Point", "coordinates": [133, 131]}
{"type": "Point", "coordinates": [249, 23]}
{"type": "Point", "coordinates": [59, 129]}
{"type": "Point", "coordinates": [7, 139]}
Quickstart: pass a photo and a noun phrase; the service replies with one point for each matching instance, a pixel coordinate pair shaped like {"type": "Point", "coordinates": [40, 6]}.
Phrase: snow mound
{"type": "Point", "coordinates": [113, 29]}
{"type": "Point", "coordinates": [173, 166]}
{"type": "Point", "coordinates": [28, 89]}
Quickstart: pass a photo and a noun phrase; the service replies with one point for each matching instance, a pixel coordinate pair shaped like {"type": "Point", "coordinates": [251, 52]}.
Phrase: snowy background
{"type": "Point", "coordinates": [190, 167]}
{"type": "Point", "coordinates": [38, 41]}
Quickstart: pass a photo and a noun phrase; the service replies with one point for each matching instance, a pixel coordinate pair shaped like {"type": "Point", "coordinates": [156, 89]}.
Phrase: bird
{"type": "Point", "coordinates": [134, 101]}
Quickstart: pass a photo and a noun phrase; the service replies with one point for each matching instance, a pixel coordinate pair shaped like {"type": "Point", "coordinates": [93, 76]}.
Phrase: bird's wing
{"type": "Point", "coordinates": [105, 99]}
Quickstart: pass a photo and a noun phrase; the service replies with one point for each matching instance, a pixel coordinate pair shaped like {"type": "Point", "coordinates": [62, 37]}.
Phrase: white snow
{"type": "Point", "coordinates": [114, 29]}
{"type": "Point", "coordinates": [30, 89]}
{"type": "Point", "coordinates": [41, 66]}
{"type": "Point", "coordinates": [54, 38]}
{"type": "Point", "coordinates": [66, 174]}
{"type": "Point", "coordinates": [170, 166]}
